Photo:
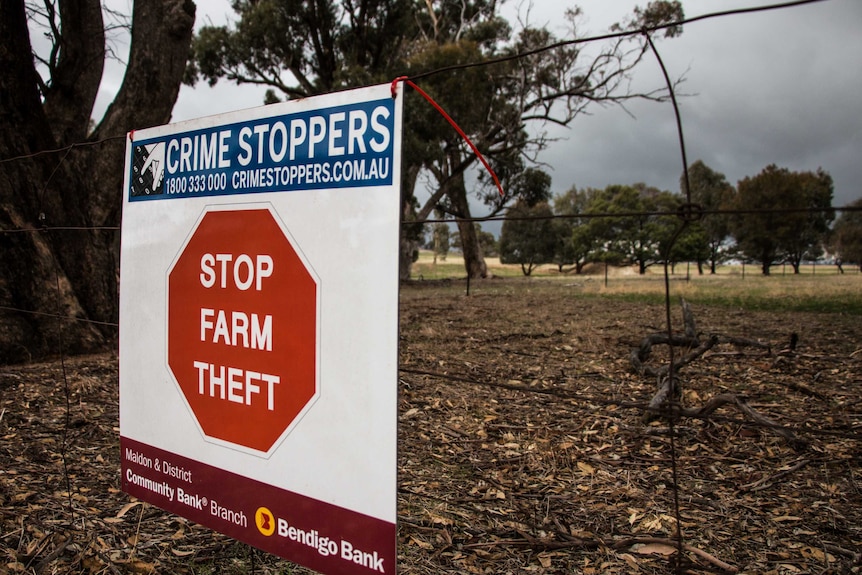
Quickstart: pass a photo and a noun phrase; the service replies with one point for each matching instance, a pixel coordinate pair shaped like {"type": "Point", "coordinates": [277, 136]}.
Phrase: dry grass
{"type": "Point", "coordinates": [819, 289]}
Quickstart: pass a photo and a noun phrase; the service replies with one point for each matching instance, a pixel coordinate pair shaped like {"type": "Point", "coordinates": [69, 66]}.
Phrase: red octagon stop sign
{"type": "Point", "coordinates": [242, 328]}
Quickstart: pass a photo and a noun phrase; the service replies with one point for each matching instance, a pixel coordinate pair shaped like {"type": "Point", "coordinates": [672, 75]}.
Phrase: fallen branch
{"type": "Point", "coordinates": [668, 388]}
{"type": "Point", "coordinates": [744, 342]}
{"type": "Point", "coordinates": [688, 320]}
{"type": "Point", "coordinates": [733, 399]}
{"type": "Point", "coordinates": [640, 354]}
{"type": "Point", "coordinates": [668, 385]}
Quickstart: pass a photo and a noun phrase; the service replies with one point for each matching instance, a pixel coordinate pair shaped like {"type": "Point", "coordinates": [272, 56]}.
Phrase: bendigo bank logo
{"type": "Point", "coordinates": [268, 524]}
{"type": "Point", "coordinates": [265, 521]}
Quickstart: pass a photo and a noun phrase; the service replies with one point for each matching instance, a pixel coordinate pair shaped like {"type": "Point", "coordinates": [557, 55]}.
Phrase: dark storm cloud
{"type": "Point", "coordinates": [781, 87]}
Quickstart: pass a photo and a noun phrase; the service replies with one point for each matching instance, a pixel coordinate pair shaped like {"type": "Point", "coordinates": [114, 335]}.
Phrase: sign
{"type": "Point", "coordinates": [259, 326]}
{"type": "Point", "coordinates": [242, 328]}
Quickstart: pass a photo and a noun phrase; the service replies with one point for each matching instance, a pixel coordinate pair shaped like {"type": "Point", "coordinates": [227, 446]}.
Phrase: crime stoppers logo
{"type": "Point", "coordinates": [265, 521]}
{"type": "Point", "coordinates": [148, 170]}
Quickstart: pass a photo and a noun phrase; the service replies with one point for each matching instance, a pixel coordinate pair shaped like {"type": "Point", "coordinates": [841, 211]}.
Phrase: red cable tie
{"type": "Point", "coordinates": [394, 86]}
{"type": "Point", "coordinates": [453, 124]}
{"type": "Point", "coordinates": [131, 135]}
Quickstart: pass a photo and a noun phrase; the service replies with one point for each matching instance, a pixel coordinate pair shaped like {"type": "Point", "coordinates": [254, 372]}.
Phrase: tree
{"type": "Point", "coordinates": [302, 48]}
{"type": "Point", "coordinates": [526, 242]}
{"type": "Point", "coordinates": [527, 237]}
{"type": "Point", "coordinates": [440, 241]}
{"type": "Point", "coordinates": [69, 268]}
{"type": "Point", "coordinates": [767, 235]}
{"type": "Point", "coordinates": [594, 236]}
{"type": "Point", "coordinates": [576, 240]}
{"type": "Point", "coordinates": [690, 246]}
{"type": "Point", "coordinates": [299, 48]}
{"type": "Point", "coordinates": [809, 230]}
{"type": "Point", "coordinates": [711, 191]}
{"type": "Point", "coordinates": [845, 241]}
{"type": "Point", "coordinates": [637, 234]}
{"type": "Point", "coordinates": [489, 245]}
{"type": "Point", "coordinates": [563, 252]}
{"type": "Point", "coordinates": [487, 242]}
{"type": "Point", "coordinates": [547, 86]}
{"type": "Point", "coordinates": [652, 241]}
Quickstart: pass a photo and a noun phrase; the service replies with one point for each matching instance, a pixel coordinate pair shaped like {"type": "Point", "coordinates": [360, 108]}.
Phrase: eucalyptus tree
{"type": "Point", "coordinates": [440, 241]}
{"type": "Point", "coordinates": [845, 240]}
{"type": "Point", "coordinates": [527, 84]}
{"type": "Point", "coordinates": [299, 48]}
{"type": "Point", "coordinates": [784, 215]}
{"type": "Point", "coordinates": [711, 191]}
{"type": "Point", "coordinates": [576, 239]}
{"type": "Point", "coordinates": [690, 245]}
{"type": "Point", "coordinates": [808, 230]}
{"type": "Point", "coordinates": [631, 223]}
{"type": "Point", "coordinates": [624, 224]}
{"type": "Point", "coordinates": [527, 237]}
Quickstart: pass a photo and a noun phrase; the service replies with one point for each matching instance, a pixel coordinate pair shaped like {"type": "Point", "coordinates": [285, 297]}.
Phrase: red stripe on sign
{"type": "Point", "coordinates": [318, 535]}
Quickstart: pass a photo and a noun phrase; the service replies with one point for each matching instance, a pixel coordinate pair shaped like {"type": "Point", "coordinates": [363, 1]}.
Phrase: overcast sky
{"type": "Point", "coordinates": [782, 87]}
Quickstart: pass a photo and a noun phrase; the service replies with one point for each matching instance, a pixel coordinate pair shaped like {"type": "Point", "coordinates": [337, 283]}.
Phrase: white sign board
{"type": "Point", "coordinates": [259, 325]}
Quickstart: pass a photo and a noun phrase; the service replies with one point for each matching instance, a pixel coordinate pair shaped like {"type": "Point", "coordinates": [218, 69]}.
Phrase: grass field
{"type": "Point", "coordinates": [816, 288]}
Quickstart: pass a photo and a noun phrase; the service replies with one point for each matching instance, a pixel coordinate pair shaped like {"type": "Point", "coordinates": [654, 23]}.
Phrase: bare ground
{"type": "Point", "coordinates": [521, 449]}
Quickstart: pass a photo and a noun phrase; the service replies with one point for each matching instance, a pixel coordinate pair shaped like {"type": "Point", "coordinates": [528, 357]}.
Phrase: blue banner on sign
{"type": "Point", "coordinates": [340, 147]}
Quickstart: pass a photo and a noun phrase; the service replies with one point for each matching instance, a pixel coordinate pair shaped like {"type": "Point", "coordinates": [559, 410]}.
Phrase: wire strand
{"type": "Point", "coordinates": [614, 35]}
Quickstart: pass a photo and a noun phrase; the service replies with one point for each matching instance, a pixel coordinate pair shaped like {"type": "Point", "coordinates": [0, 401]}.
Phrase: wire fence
{"type": "Point", "coordinates": [680, 533]}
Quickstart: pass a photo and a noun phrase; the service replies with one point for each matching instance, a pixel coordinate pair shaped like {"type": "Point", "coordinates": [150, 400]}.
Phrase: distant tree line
{"type": "Point", "coordinates": [775, 217]}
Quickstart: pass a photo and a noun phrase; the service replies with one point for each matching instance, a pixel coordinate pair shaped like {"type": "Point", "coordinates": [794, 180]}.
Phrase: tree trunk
{"type": "Point", "coordinates": [409, 233]}
{"type": "Point", "coordinates": [768, 254]}
{"type": "Point", "coordinates": [29, 277]}
{"type": "Point", "coordinates": [474, 262]}
{"type": "Point", "coordinates": [161, 34]}
{"type": "Point", "coordinates": [55, 278]}
{"type": "Point", "coordinates": [76, 78]}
